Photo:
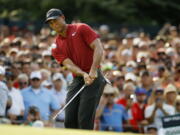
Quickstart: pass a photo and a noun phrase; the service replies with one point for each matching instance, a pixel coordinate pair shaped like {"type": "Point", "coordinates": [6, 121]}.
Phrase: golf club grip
{"type": "Point", "coordinates": [60, 111]}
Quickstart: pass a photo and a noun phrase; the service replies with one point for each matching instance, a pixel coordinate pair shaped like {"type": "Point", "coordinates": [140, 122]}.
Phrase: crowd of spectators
{"type": "Point", "coordinates": [144, 72]}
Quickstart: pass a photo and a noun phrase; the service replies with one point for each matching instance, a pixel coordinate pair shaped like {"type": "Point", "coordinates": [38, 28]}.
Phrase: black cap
{"type": "Point", "coordinates": [53, 14]}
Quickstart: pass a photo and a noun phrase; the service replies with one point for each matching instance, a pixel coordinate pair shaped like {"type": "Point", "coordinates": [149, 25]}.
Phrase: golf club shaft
{"type": "Point", "coordinates": [60, 111]}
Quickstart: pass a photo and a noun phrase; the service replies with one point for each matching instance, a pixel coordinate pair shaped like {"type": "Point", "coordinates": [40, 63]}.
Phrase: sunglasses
{"type": "Point", "coordinates": [35, 79]}
{"type": "Point", "coordinates": [108, 95]}
{"type": "Point", "coordinates": [23, 83]}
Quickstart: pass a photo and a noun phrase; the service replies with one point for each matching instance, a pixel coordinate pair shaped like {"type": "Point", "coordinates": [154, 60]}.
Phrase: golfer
{"type": "Point", "coordinates": [79, 49]}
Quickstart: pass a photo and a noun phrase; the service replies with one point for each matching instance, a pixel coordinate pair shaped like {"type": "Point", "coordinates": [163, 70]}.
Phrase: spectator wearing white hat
{"type": "Point", "coordinates": [128, 98]}
{"type": "Point", "coordinates": [60, 93]}
{"type": "Point", "coordinates": [170, 94]}
{"type": "Point", "coordinates": [35, 95]}
{"type": "Point", "coordinates": [131, 77]}
{"type": "Point", "coordinates": [47, 58]}
{"type": "Point", "coordinates": [111, 115]}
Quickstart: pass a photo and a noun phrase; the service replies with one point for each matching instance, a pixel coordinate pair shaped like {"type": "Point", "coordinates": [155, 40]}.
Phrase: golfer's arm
{"type": "Point", "coordinates": [98, 53]}
{"type": "Point", "coordinates": [72, 67]}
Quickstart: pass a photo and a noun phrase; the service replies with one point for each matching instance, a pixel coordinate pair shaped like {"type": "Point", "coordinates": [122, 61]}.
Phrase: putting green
{"type": "Point", "coordinates": [22, 130]}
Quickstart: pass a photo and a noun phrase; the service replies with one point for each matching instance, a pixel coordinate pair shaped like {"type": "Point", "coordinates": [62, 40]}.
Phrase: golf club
{"type": "Point", "coordinates": [60, 111]}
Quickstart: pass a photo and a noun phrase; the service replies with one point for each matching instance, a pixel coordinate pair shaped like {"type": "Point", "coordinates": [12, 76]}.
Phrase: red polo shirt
{"type": "Point", "coordinates": [76, 46]}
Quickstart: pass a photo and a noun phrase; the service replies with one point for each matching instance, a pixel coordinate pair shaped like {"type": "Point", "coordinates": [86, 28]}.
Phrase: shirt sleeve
{"type": "Point", "coordinates": [88, 34]}
{"type": "Point", "coordinates": [58, 54]}
{"type": "Point", "coordinates": [148, 111]}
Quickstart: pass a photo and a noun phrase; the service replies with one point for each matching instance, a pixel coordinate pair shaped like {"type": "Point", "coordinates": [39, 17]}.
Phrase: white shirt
{"type": "Point", "coordinates": [159, 114]}
{"type": "Point", "coordinates": [61, 98]}
{"type": "Point", "coordinates": [17, 102]}
{"type": "Point", "coordinates": [3, 98]}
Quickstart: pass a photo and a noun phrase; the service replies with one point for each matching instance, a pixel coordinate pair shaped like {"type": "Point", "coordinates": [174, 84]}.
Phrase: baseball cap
{"type": "Point", "coordinates": [36, 74]}
{"type": "Point", "coordinates": [139, 91]}
{"type": "Point", "coordinates": [130, 76]}
{"type": "Point", "coordinates": [53, 14]}
{"type": "Point", "coordinates": [170, 88]}
{"type": "Point", "coordinates": [57, 76]}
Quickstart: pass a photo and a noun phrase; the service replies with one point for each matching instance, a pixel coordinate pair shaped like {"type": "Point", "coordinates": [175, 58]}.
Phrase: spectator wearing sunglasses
{"type": "Point", "coordinates": [23, 81]}
{"type": "Point", "coordinates": [111, 115]}
{"type": "Point", "coordinates": [38, 96]}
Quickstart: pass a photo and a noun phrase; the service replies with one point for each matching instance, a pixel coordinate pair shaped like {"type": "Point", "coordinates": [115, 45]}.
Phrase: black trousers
{"type": "Point", "coordinates": [81, 111]}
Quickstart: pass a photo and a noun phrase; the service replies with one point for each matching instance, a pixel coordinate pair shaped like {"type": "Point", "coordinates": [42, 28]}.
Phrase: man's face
{"type": "Point", "coordinates": [110, 97]}
{"type": "Point", "coordinates": [141, 98]}
{"type": "Point", "coordinates": [35, 82]}
{"type": "Point", "coordinates": [171, 96]}
{"type": "Point", "coordinates": [146, 80]}
{"type": "Point", "coordinates": [58, 24]}
{"type": "Point", "coordinates": [58, 84]}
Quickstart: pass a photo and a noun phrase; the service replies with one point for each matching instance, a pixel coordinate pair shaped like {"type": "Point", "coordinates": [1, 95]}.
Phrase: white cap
{"type": "Point", "coordinates": [46, 83]}
{"type": "Point", "coordinates": [57, 76]}
{"type": "Point", "coordinates": [130, 76]}
{"type": "Point", "coordinates": [131, 63]}
{"type": "Point", "coordinates": [36, 74]}
{"type": "Point", "coordinates": [2, 70]}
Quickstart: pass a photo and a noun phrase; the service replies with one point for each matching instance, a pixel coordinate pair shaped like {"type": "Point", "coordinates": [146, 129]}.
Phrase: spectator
{"type": "Point", "coordinates": [111, 114]}
{"type": "Point", "coordinates": [32, 116]}
{"type": "Point", "coordinates": [23, 81]}
{"type": "Point", "coordinates": [128, 90]}
{"type": "Point", "coordinates": [154, 112]}
{"type": "Point", "coordinates": [60, 93]}
{"type": "Point", "coordinates": [146, 83]}
{"type": "Point", "coordinates": [170, 94]}
{"type": "Point", "coordinates": [40, 97]}
{"type": "Point", "coordinates": [138, 109]}
{"type": "Point", "coordinates": [16, 111]}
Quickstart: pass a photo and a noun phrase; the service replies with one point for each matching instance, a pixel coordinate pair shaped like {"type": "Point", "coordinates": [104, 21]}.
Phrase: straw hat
{"type": "Point", "coordinates": [110, 90]}
{"type": "Point", "coordinates": [170, 88]}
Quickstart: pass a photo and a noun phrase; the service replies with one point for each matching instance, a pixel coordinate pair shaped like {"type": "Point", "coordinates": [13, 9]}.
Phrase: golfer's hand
{"type": "Point", "coordinates": [87, 79]}
{"type": "Point", "coordinates": [93, 75]}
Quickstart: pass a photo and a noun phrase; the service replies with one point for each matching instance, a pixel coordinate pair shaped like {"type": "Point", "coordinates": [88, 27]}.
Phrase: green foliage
{"type": "Point", "coordinates": [96, 11]}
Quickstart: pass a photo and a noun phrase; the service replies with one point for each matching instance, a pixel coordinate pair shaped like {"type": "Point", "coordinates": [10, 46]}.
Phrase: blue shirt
{"type": "Point", "coordinates": [44, 100]}
{"type": "Point", "coordinates": [112, 119]}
